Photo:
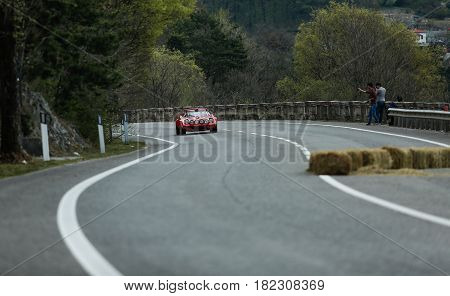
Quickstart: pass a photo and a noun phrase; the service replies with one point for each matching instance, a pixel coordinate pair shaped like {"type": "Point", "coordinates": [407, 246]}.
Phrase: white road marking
{"type": "Point", "coordinates": [95, 264]}
{"type": "Point", "coordinates": [386, 204]}
{"type": "Point", "coordinates": [369, 198]}
{"type": "Point", "coordinates": [381, 133]}
{"type": "Point", "coordinates": [304, 150]}
{"type": "Point", "coordinates": [81, 248]}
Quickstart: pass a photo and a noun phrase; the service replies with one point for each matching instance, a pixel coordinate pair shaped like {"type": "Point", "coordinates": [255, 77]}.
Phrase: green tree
{"type": "Point", "coordinates": [216, 49]}
{"type": "Point", "coordinates": [70, 57]}
{"type": "Point", "coordinates": [77, 53]}
{"type": "Point", "coordinates": [345, 47]}
{"type": "Point", "coordinates": [173, 76]}
{"type": "Point", "coordinates": [275, 13]}
{"type": "Point", "coordinates": [269, 59]}
{"type": "Point", "coordinates": [141, 23]}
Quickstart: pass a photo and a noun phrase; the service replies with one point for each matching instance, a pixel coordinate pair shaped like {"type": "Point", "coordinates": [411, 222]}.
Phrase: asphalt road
{"type": "Point", "coordinates": [239, 202]}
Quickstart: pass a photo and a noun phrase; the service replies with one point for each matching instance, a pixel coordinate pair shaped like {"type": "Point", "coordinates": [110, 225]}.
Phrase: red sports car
{"type": "Point", "coordinates": [192, 120]}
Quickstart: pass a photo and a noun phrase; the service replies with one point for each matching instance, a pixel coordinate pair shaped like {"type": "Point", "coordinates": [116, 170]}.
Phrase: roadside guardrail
{"type": "Point", "coordinates": [350, 111]}
{"type": "Point", "coordinates": [420, 119]}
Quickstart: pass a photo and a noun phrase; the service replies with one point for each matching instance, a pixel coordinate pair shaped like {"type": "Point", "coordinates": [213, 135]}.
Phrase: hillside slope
{"type": "Point", "coordinates": [289, 13]}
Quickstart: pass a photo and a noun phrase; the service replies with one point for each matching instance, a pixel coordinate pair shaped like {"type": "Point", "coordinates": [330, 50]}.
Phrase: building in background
{"type": "Point", "coordinates": [421, 37]}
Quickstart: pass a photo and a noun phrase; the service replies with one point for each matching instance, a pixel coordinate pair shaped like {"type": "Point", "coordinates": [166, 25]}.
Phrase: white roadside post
{"type": "Point", "coordinates": [122, 122]}
{"type": "Point", "coordinates": [101, 136]}
{"type": "Point", "coordinates": [44, 136]}
{"type": "Point", "coordinates": [125, 129]}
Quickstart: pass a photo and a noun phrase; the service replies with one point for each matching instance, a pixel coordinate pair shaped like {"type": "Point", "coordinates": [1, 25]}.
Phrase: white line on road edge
{"type": "Point", "coordinates": [386, 204]}
{"type": "Point", "coordinates": [81, 248]}
{"type": "Point", "coordinates": [369, 198]}
{"type": "Point", "coordinates": [381, 133]}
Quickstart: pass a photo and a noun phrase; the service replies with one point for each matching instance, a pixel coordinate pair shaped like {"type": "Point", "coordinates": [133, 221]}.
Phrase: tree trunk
{"type": "Point", "coordinates": [10, 146]}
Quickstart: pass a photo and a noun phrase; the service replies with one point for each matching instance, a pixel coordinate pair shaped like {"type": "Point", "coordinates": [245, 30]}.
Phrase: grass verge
{"type": "Point", "coordinates": [116, 147]}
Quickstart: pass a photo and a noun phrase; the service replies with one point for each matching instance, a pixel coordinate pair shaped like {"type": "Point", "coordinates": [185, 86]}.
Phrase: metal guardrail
{"type": "Point", "coordinates": [420, 119]}
{"type": "Point", "coordinates": [118, 131]}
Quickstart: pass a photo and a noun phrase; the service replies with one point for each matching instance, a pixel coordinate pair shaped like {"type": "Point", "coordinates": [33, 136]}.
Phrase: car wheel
{"type": "Point", "coordinates": [214, 130]}
{"type": "Point", "coordinates": [178, 131]}
{"type": "Point", "coordinates": [183, 131]}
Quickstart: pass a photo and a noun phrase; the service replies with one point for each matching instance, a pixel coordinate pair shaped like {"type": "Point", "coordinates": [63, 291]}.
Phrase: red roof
{"type": "Point", "coordinates": [419, 31]}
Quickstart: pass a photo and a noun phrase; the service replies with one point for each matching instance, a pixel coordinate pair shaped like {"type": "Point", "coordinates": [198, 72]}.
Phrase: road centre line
{"type": "Point", "coordinates": [90, 259]}
{"type": "Point", "coordinates": [304, 150]}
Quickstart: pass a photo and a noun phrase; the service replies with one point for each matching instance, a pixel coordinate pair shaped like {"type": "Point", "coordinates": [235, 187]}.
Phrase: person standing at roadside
{"type": "Point", "coordinates": [381, 102]}
{"type": "Point", "coordinates": [372, 92]}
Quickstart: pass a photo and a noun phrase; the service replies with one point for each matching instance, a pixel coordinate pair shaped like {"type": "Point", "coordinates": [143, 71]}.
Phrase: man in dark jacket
{"type": "Point", "coordinates": [371, 91]}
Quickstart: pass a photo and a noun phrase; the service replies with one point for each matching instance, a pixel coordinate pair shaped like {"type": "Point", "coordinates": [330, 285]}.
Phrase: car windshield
{"type": "Point", "coordinates": [197, 114]}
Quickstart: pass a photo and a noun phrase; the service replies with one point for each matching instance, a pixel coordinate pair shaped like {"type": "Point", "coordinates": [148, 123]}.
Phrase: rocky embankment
{"type": "Point", "coordinates": [63, 138]}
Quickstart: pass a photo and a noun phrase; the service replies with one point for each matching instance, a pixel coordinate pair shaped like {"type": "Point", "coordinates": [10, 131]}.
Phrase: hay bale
{"type": "Point", "coordinates": [435, 158]}
{"type": "Point", "coordinates": [401, 157]}
{"type": "Point", "coordinates": [446, 157]}
{"type": "Point", "coordinates": [377, 158]}
{"type": "Point", "coordinates": [330, 163]}
{"type": "Point", "coordinates": [429, 158]}
{"type": "Point", "coordinates": [357, 159]}
{"type": "Point", "coordinates": [420, 158]}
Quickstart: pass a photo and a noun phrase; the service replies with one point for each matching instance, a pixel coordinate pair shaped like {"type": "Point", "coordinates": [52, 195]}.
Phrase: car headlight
{"type": "Point", "coordinates": [192, 122]}
{"type": "Point", "coordinates": [211, 120]}
{"type": "Point", "coordinates": [202, 121]}
{"type": "Point", "coordinates": [186, 121]}
{"type": "Point", "coordinates": [196, 122]}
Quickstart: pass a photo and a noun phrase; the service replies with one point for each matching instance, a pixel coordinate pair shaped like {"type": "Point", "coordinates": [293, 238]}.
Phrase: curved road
{"type": "Point", "coordinates": [239, 202]}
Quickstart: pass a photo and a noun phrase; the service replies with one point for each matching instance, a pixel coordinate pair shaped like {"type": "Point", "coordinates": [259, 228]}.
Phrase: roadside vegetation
{"type": "Point", "coordinates": [344, 47]}
{"type": "Point", "coordinates": [116, 147]}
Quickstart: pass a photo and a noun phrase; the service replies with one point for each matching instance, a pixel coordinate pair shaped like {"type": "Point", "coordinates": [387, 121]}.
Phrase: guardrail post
{"type": "Point", "coordinates": [44, 136]}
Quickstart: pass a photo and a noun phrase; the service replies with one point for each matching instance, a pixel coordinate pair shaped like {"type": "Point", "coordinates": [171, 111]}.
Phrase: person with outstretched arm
{"type": "Point", "coordinates": [372, 92]}
{"type": "Point", "coordinates": [381, 102]}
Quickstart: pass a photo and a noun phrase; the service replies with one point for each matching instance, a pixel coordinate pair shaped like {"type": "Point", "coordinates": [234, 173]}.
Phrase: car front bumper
{"type": "Point", "coordinates": [199, 127]}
